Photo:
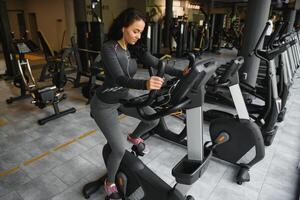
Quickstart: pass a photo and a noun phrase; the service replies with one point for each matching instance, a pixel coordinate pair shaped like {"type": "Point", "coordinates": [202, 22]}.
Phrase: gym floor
{"type": "Point", "coordinates": [54, 161]}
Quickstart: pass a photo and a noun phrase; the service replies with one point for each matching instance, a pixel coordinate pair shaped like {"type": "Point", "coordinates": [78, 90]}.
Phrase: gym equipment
{"type": "Point", "coordinates": [181, 38]}
{"type": "Point", "coordinates": [90, 34]}
{"type": "Point", "coordinates": [244, 133]}
{"type": "Point", "coordinates": [198, 38]}
{"type": "Point", "coordinates": [152, 37]}
{"type": "Point", "coordinates": [268, 114]}
{"type": "Point", "coordinates": [90, 87]}
{"type": "Point", "coordinates": [58, 64]}
{"type": "Point", "coordinates": [189, 37]}
{"type": "Point", "coordinates": [135, 180]}
{"type": "Point", "coordinates": [18, 79]}
{"type": "Point", "coordinates": [95, 60]}
{"type": "Point", "coordinates": [287, 62]}
{"type": "Point", "coordinates": [41, 97]}
{"type": "Point", "coordinates": [258, 12]}
{"type": "Point", "coordinates": [19, 83]}
{"type": "Point", "coordinates": [265, 115]}
{"type": "Point", "coordinates": [232, 34]}
{"type": "Point", "coordinates": [240, 142]}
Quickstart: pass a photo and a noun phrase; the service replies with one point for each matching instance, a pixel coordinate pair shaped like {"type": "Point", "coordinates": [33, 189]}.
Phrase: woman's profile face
{"type": "Point", "coordinates": [132, 33]}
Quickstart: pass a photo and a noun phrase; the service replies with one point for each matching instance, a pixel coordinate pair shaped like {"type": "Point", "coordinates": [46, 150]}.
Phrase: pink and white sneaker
{"type": "Point", "coordinates": [139, 145]}
{"type": "Point", "coordinates": [111, 191]}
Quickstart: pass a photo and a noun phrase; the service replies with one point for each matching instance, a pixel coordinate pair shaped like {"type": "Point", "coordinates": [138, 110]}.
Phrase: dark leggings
{"type": "Point", "coordinates": [106, 117]}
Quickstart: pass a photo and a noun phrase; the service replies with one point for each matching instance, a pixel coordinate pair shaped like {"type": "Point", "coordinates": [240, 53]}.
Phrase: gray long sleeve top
{"type": "Point", "coordinates": [120, 68]}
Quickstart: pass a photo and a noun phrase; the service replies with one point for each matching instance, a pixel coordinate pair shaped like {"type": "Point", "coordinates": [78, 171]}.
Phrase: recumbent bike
{"type": "Point", "coordinates": [41, 97]}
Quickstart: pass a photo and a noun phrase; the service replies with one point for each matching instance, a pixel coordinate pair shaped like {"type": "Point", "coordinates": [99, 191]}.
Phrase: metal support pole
{"type": "Point", "coordinates": [82, 30]}
{"type": "Point", "coordinates": [70, 21]}
{"type": "Point", "coordinates": [258, 12]}
{"type": "Point", "coordinates": [9, 56]}
{"type": "Point", "coordinates": [297, 20]}
{"type": "Point", "coordinates": [168, 22]}
{"type": "Point", "coordinates": [289, 16]}
{"type": "Point", "coordinates": [80, 10]}
{"type": "Point", "coordinates": [212, 30]}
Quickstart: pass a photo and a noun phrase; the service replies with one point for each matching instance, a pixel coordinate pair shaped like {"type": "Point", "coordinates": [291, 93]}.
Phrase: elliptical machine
{"type": "Point", "coordinates": [269, 113]}
{"type": "Point", "coordinates": [135, 180]}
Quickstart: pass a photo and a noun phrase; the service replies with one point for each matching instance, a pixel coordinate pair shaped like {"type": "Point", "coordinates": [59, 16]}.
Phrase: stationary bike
{"type": "Point", "coordinates": [41, 97]}
{"type": "Point", "coordinates": [244, 134]}
{"type": "Point", "coordinates": [135, 180]}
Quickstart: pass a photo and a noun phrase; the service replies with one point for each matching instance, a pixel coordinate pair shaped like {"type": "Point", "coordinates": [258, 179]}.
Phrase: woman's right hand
{"type": "Point", "coordinates": [154, 83]}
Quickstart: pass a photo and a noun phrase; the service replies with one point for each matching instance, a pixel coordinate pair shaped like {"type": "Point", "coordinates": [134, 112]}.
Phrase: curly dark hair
{"type": "Point", "coordinates": [125, 19]}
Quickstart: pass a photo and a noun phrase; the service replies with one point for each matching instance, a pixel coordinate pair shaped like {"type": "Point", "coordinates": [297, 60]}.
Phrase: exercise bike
{"type": "Point", "coordinates": [41, 97]}
{"type": "Point", "coordinates": [135, 180]}
{"type": "Point", "coordinates": [244, 134]}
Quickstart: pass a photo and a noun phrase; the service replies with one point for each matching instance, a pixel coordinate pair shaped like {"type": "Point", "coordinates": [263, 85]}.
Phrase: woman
{"type": "Point", "coordinates": [119, 70]}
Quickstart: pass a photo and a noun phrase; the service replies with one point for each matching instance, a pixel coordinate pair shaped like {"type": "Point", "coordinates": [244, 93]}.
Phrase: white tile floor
{"type": "Point", "coordinates": [60, 174]}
